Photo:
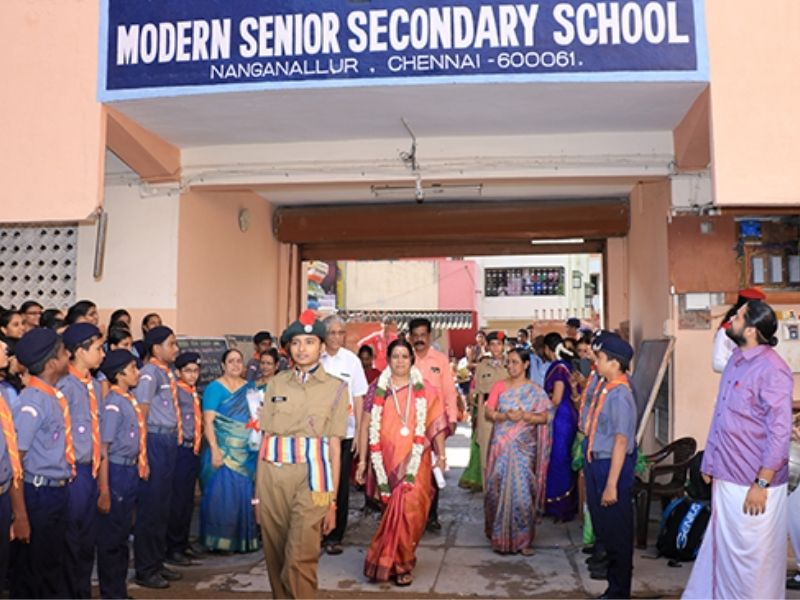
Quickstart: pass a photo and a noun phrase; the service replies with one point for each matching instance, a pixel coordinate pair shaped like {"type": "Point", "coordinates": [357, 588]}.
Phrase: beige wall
{"type": "Point", "coordinates": [227, 279]}
{"type": "Point", "coordinates": [51, 162]}
{"type": "Point", "coordinates": [392, 284]}
{"type": "Point", "coordinates": [755, 92]}
{"type": "Point", "coordinates": [616, 282]}
{"type": "Point", "coordinates": [648, 270]}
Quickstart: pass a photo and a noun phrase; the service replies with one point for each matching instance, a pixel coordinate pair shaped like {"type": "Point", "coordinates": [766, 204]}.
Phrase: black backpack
{"type": "Point", "coordinates": [683, 525]}
{"type": "Point", "coordinates": [696, 487]}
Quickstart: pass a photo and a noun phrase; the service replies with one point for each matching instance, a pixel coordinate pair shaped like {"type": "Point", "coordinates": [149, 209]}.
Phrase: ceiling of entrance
{"type": "Point", "coordinates": [309, 115]}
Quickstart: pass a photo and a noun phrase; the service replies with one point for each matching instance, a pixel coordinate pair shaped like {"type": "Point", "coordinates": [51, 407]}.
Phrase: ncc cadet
{"type": "Point", "coordinates": [304, 420]}
{"type": "Point", "coordinates": [10, 471]}
{"type": "Point", "coordinates": [157, 393]}
{"type": "Point", "coordinates": [609, 461]}
{"type": "Point", "coordinates": [124, 447]}
{"type": "Point", "coordinates": [187, 463]}
{"type": "Point", "coordinates": [490, 370]}
{"type": "Point", "coordinates": [44, 437]}
{"type": "Point", "coordinates": [84, 342]}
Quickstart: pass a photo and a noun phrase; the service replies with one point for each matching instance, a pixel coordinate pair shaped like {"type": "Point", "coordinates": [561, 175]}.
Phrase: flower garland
{"type": "Point", "coordinates": [376, 421]}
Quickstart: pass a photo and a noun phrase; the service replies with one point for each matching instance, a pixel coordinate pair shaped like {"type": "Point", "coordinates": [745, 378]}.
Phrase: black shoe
{"type": "Point", "coordinates": [178, 560]}
{"type": "Point", "coordinates": [195, 551]}
{"type": "Point", "coordinates": [793, 582]}
{"type": "Point", "coordinates": [603, 596]}
{"type": "Point", "coordinates": [154, 581]}
{"type": "Point", "coordinates": [588, 549]}
{"type": "Point", "coordinates": [434, 525]}
{"type": "Point", "coordinates": [597, 559]}
{"type": "Point", "coordinates": [170, 575]}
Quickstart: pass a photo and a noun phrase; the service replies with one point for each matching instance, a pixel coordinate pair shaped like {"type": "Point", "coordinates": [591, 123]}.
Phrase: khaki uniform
{"type": "Point", "coordinates": [291, 524]}
{"type": "Point", "coordinates": [486, 375]}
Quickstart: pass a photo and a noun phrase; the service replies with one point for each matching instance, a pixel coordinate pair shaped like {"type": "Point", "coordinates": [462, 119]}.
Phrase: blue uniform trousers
{"type": "Point", "coordinates": [81, 523]}
{"type": "Point", "coordinates": [38, 570]}
{"type": "Point", "coordinates": [187, 468]}
{"type": "Point", "coordinates": [113, 530]}
{"type": "Point", "coordinates": [613, 525]}
{"type": "Point", "coordinates": [152, 505]}
{"type": "Point", "coordinates": [5, 525]}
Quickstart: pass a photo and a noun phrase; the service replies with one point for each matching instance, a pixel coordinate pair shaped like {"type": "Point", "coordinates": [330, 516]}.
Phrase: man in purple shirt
{"type": "Point", "coordinates": [743, 554]}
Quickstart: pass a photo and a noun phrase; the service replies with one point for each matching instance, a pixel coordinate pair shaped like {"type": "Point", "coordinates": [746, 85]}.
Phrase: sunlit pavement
{"type": "Point", "coordinates": [454, 562]}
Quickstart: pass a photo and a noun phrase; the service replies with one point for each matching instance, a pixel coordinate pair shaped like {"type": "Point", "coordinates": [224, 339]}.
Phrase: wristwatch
{"type": "Point", "coordinates": [762, 483]}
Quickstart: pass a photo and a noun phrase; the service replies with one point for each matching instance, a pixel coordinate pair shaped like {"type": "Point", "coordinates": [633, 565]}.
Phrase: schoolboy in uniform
{"type": "Point", "coordinates": [157, 393]}
{"type": "Point", "coordinates": [262, 341]}
{"type": "Point", "coordinates": [304, 420]}
{"type": "Point", "coordinates": [84, 342]}
{"type": "Point", "coordinates": [609, 461]}
{"type": "Point", "coordinates": [124, 446]}
{"type": "Point", "coordinates": [10, 471]}
{"type": "Point", "coordinates": [44, 437]}
{"type": "Point", "coordinates": [187, 462]}
{"type": "Point", "coordinates": [490, 370]}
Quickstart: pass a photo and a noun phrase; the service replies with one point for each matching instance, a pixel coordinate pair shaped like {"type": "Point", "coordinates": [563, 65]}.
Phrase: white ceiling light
{"type": "Point", "coordinates": [557, 241]}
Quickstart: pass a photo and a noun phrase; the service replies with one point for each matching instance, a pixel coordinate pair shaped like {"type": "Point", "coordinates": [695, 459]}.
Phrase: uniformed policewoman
{"type": "Point", "coordinates": [489, 371]}
{"type": "Point", "coordinates": [304, 420]}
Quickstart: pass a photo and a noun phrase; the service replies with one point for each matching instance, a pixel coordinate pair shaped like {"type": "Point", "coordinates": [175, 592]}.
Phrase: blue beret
{"type": "Point", "coordinates": [614, 347]}
{"type": "Point", "coordinates": [78, 333]}
{"type": "Point", "coordinates": [187, 358]}
{"type": "Point", "coordinates": [116, 361]}
{"type": "Point", "coordinates": [156, 335]}
{"type": "Point", "coordinates": [306, 324]}
{"type": "Point", "coordinates": [36, 345]}
{"type": "Point", "coordinates": [573, 322]}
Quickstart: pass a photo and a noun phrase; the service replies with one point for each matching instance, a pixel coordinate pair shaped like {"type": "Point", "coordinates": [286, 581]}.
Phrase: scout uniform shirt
{"type": "Point", "coordinates": [296, 405]}
{"type": "Point", "coordinates": [617, 416]}
{"type": "Point", "coordinates": [79, 409]}
{"type": "Point", "coordinates": [488, 372]}
{"type": "Point", "coordinates": [5, 461]}
{"type": "Point", "coordinates": [40, 435]}
{"type": "Point", "coordinates": [187, 407]}
{"type": "Point", "coordinates": [119, 429]}
{"type": "Point", "coordinates": [154, 389]}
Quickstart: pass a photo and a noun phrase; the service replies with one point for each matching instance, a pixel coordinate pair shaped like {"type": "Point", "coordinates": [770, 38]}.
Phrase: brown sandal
{"type": "Point", "coordinates": [404, 579]}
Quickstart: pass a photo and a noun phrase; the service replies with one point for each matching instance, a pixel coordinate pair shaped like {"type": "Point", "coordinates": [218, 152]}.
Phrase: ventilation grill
{"type": "Point", "coordinates": [37, 262]}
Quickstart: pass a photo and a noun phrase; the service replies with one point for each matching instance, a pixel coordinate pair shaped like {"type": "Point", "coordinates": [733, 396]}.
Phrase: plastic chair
{"type": "Point", "coordinates": [681, 452]}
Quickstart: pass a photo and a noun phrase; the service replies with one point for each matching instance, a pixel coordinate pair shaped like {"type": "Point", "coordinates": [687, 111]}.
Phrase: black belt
{"type": "Point", "coordinates": [122, 461]}
{"type": "Point", "coordinates": [162, 429]}
{"type": "Point", "coordinates": [38, 481]}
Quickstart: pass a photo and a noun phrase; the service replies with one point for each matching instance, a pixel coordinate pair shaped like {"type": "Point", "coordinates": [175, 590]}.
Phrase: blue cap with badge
{"type": "Point", "coordinates": [77, 334]}
{"type": "Point", "coordinates": [614, 347]}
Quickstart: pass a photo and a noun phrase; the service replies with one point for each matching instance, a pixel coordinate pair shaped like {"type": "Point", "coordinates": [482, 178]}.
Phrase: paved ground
{"type": "Point", "coordinates": [455, 562]}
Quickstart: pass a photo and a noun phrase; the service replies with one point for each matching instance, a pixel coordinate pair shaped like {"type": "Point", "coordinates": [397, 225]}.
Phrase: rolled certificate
{"type": "Point", "coordinates": [437, 472]}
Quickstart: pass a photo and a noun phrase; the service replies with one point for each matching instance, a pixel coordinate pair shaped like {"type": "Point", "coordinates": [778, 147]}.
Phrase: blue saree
{"type": "Point", "coordinates": [562, 496]}
{"type": "Point", "coordinates": [227, 522]}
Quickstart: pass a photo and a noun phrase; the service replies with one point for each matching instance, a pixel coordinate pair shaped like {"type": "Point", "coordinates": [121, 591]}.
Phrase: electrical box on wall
{"type": "Point", "coordinates": [789, 338]}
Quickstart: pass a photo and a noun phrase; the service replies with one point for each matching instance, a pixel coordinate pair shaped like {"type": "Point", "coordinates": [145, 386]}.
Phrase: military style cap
{"type": "Point", "coordinates": [116, 361]}
{"type": "Point", "coordinates": [156, 335]}
{"type": "Point", "coordinates": [78, 333]}
{"type": "Point", "coordinates": [614, 347]}
{"type": "Point", "coordinates": [36, 345]}
{"type": "Point", "coordinates": [186, 358]}
{"type": "Point", "coordinates": [496, 335]}
{"type": "Point", "coordinates": [306, 324]}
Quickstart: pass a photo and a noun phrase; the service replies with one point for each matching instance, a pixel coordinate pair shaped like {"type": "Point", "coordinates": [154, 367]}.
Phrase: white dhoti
{"type": "Point", "coordinates": [741, 556]}
{"type": "Point", "coordinates": [794, 524]}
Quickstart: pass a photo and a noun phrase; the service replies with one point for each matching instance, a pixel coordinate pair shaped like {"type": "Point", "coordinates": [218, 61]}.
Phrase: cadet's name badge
{"type": "Point", "coordinates": [279, 398]}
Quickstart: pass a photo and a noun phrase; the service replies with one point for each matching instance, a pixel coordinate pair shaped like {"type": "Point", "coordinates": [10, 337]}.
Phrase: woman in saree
{"type": "Point", "coordinates": [406, 422]}
{"type": "Point", "coordinates": [518, 457]}
{"type": "Point", "coordinates": [227, 471]}
{"type": "Point", "coordinates": [562, 495]}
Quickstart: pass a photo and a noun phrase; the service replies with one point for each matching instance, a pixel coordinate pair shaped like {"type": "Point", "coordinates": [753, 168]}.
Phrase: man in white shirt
{"type": "Point", "coordinates": [344, 364]}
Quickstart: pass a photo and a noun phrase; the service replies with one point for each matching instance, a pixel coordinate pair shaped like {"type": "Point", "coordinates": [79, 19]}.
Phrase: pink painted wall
{"type": "Point", "coordinates": [755, 92]}
{"type": "Point", "coordinates": [53, 151]}
{"type": "Point", "coordinates": [228, 280]}
{"type": "Point", "coordinates": [457, 284]}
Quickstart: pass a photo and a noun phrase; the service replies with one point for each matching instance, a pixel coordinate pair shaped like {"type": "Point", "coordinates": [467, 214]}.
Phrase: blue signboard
{"type": "Point", "coordinates": [175, 44]}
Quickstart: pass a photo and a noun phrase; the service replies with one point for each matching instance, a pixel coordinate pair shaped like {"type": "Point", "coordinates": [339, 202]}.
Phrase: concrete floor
{"type": "Point", "coordinates": [454, 562]}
